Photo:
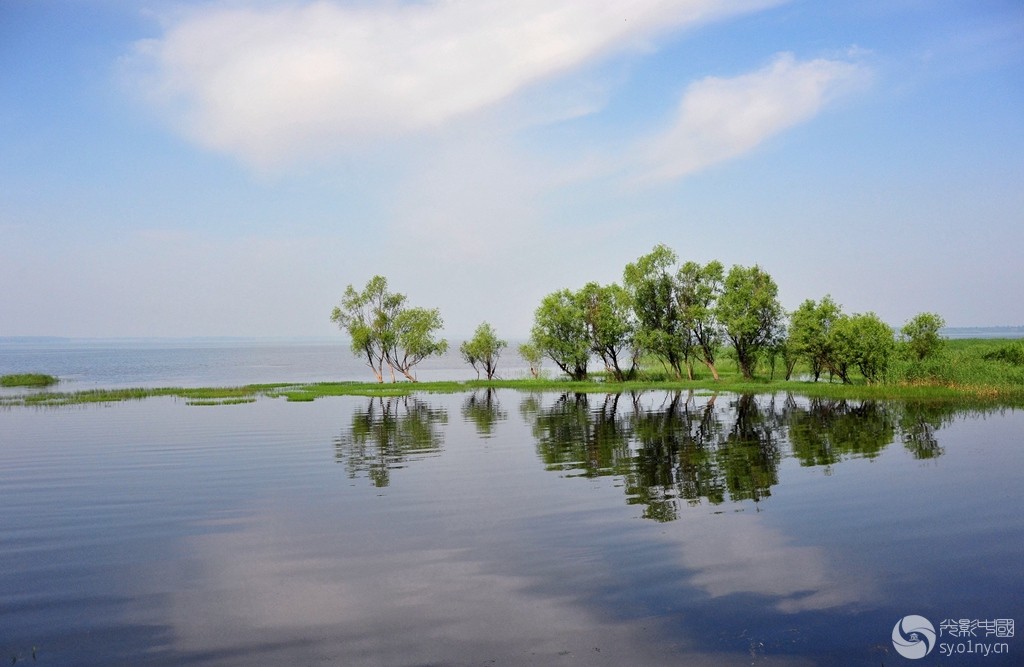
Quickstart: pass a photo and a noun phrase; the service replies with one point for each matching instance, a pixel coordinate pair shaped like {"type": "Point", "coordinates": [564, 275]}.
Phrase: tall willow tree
{"type": "Point", "coordinates": [654, 292]}
{"type": "Point", "coordinates": [750, 314]}
{"type": "Point", "coordinates": [560, 332]}
{"type": "Point", "coordinates": [383, 330]}
{"type": "Point", "coordinates": [483, 350]}
{"type": "Point", "coordinates": [698, 290]}
{"type": "Point", "coordinates": [608, 314]}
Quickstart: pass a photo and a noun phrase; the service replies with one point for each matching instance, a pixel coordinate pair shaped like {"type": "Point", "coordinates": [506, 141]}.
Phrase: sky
{"type": "Point", "coordinates": [228, 168]}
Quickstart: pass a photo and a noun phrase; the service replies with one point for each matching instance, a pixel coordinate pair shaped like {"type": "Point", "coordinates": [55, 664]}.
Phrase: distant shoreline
{"type": "Point", "coordinates": [167, 341]}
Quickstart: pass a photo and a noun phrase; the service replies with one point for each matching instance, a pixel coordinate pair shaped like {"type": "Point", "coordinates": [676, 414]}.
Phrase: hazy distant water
{"type": "Point", "coordinates": [153, 363]}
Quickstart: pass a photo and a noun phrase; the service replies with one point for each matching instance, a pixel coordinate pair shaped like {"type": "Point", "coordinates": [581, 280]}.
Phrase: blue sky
{"type": "Point", "coordinates": [227, 168]}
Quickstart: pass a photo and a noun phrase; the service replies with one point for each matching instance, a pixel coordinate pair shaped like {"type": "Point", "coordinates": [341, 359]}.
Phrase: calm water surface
{"type": "Point", "coordinates": [506, 528]}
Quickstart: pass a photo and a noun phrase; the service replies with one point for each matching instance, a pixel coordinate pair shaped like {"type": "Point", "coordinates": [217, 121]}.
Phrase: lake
{"type": "Point", "coordinates": [120, 363]}
{"type": "Point", "coordinates": [509, 528]}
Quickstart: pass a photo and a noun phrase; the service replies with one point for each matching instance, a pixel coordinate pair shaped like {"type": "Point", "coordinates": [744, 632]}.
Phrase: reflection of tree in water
{"type": "Point", "coordinates": [701, 451]}
{"type": "Point", "coordinates": [828, 430]}
{"type": "Point", "coordinates": [749, 455]}
{"type": "Point", "coordinates": [678, 450]}
{"type": "Point", "coordinates": [388, 432]}
{"type": "Point", "coordinates": [484, 411]}
{"type": "Point", "coordinates": [698, 452]}
{"type": "Point", "coordinates": [675, 457]}
{"type": "Point", "coordinates": [918, 424]}
{"type": "Point", "coordinates": [583, 441]}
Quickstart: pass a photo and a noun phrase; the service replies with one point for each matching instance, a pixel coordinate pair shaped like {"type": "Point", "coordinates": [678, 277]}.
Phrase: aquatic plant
{"type": "Point", "coordinates": [27, 380]}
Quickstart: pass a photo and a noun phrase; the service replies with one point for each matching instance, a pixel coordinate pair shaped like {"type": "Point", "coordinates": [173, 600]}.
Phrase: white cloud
{"type": "Point", "coordinates": [270, 83]}
{"type": "Point", "coordinates": [720, 118]}
{"type": "Point", "coordinates": [740, 554]}
{"type": "Point", "coordinates": [263, 588]}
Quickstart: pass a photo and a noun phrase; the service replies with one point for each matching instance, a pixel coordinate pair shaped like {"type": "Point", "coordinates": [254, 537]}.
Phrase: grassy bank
{"type": "Point", "coordinates": [310, 392]}
{"type": "Point", "coordinates": [973, 365]}
{"type": "Point", "coordinates": [975, 370]}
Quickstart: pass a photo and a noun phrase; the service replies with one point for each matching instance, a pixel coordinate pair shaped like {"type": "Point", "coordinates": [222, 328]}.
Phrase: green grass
{"type": "Point", "coordinates": [193, 396]}
{"type": "Point", "coordinates": [27, 380]}
{"type": "Point", "coordinates": [973, 366]}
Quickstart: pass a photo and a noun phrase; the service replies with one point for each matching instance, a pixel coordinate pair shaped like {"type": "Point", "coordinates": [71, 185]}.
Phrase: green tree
{"type": "Point", "coordinates": [921, 334]}
{"type": "Point", "coordinates": [863, 341]}
{"type": "Point", "coordinates": [809, 328]}
{"type": "Point", "coordinates": [368, 317]}
{"type": "Point", "coordinates": [483, 348]}
{"type": "Point", "coordinates": [560, 332]}
{"type": "Point", "coordinates": [842, 343]}
{"type": "Point", "coordinates": [876, 345]}
{"type": "Point", "coordinates": [414, 339]}
{"type": "Point", "coordinates": [697, 291]}
{"type": "Point", "coordinates": [608, 314]}
{"type": "Point", "coordinates": [660, 326]}
{"type": "Point", "coordinates": [532, 355]}
{"type": "Point", "coordinates": [750, 314]}
{"type": "Point", "coordinates": [790, 356]}
{"type": "Point", "coordinates": [384, 331]}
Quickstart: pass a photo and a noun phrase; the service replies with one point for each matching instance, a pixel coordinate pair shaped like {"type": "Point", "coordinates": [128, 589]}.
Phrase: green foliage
{"type": "Point", "coordinates": [27, 380]}
{"type": "Point", "coordinates": [483, 348]}
{"type": "Point", "coordinates": [598, 319]}
{"type": "Point", "coordinates": [608, 314]}
{"type": "Point", "coordinates": [384, 331]}
{"type": "Point", "coordinates": [750, 314]}
{"type": "Point", "coordinates": [698, 289]}
{"type": "Point", "coordinates": [842, 344]}
{"type": "Point", "coordinates": [861, 341]}
{"type": "Point", "coordinates": [968, 366]}
{"type": "Point", "coordinates": [368, 317]}
{"type": "Point", "coordinates": [921, 334]}
{"type": "Point", "coordinates": [876, 346]}
{"type": "Point", "coordinates": [810, 329]}
{"type": "Point", "coordinates": [660, 326]}
{"type": "Point", "coordinates": [414, 341]}
{"type": "Point", "coordinates": [560, 332]}
{"type": "Point", "coordinates": [532, 355]}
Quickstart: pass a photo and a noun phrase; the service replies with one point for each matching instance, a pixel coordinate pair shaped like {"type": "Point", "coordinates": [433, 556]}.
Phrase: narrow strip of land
{"type": "Point", "coordinates": [1010, 397]}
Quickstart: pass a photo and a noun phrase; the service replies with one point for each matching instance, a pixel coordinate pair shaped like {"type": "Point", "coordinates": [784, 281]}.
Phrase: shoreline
{"type": "Point", "coordinates": [305, 392]}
